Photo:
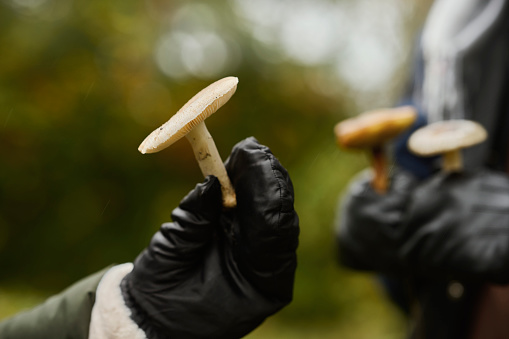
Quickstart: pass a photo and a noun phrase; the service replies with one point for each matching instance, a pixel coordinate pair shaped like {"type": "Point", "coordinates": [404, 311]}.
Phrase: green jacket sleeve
{"type": "Point", "coordinates": [63, 316]}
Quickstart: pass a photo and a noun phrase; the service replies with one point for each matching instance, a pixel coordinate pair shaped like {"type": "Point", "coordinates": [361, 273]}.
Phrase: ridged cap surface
{"type": "Point", "coordinates": [445, 136]}
{"type": "Point", "coordinates": [195, 111]}
{"type": "Point", "coordinates": [373, 128]}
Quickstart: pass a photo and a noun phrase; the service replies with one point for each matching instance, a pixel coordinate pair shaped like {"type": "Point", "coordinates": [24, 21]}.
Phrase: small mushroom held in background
{"type": "Point", "coordinates": [189, 121]}
{"type": "Point", "coordinates": [447, 138]}
{"type": "Point", "coordinates": [371, 130]}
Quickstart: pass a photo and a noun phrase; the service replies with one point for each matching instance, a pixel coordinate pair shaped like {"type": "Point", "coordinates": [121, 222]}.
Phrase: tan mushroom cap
{"type": "Point", "coordinates": [446, 136]}
{"type": "Point", "coordinates": [373, 128]}
{"type": "Point", "coordinates": [194, 112]}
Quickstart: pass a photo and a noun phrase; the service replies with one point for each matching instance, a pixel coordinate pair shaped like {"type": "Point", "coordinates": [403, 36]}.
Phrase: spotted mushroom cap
{"type": "Point", "coordinates": [445, 136]}
{"type": "Point", "coordinates": [373, 128]}
{"type": "Point", "coordinates": [195, 111]}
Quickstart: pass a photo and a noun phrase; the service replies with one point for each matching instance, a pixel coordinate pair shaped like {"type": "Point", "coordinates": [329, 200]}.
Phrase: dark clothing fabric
{"type": "Point", "coordinates": [441, 246]}
{"type": "Point", "coordinates": [63, 316]}
{"type": "Point", "coordinates": [436, 242]}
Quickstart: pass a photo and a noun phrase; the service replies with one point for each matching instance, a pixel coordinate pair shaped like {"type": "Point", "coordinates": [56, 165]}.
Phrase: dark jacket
{"type": "Point", "coordinates": [66, 315]}
{"type": "Point", "coordinates": [418, 263]}
{"type": "Point", "coordinates": [435, 244]}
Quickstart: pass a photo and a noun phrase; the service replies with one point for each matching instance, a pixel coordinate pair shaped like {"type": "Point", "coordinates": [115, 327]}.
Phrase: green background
{"type": "Point", "coordinates": [83, 82]}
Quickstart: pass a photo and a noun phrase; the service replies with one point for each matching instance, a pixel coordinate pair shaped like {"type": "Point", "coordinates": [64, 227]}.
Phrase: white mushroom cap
{"type": "Point", "coordinates": [194, 112]}
{"type": "Point", "coordinates": [446, 136]}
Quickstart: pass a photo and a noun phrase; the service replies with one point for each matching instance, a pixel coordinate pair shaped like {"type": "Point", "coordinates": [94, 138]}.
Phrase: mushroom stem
{"type": "Point", "coordinates": [379, 164]}
{"type": "Point", "coordinates": [452, 161]}
{"type": "Point", "coordinates": [210, 162]}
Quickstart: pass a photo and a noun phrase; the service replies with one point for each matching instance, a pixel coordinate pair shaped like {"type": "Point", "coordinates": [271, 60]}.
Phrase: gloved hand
{"type": "Point", "coordinates": [458, 224]}
{"type": "Point", "coordinates": [369, 225]}
{"type": "Point", "coordinates": [214, 273]}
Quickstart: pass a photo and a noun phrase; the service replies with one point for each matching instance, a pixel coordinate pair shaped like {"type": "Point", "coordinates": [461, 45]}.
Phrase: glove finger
{"type": "Point", "coordinates": [179, 245]}
{"type": "Point", "coordinates": [368, 222]}
{"type": "Point", "coordinates": [268, 226]}
{"type": "Point", "coordinates": [373, 209]}
{"type": "Point", "coordinates": [458, 223]}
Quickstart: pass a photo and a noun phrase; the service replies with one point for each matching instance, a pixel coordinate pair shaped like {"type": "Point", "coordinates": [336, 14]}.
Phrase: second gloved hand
{"type": "Point", "coordinates": [369, 226]}
{"type": "Point", "coordinates": [213, 273]}
{"type": "Point", "coordinates": [458, 225]}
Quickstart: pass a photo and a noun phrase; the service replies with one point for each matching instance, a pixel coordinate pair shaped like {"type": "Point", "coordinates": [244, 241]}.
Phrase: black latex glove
{"type": "Point", "coordinates": [213, 273]}
{"type": "Point", "coordinates": [458, 224]}
{"type": "Point", "coordinates": [369, 228]}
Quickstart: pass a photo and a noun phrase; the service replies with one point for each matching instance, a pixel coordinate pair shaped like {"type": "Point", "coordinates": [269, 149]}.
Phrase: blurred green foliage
{"type": "Point", "coordinates": [81, 85]}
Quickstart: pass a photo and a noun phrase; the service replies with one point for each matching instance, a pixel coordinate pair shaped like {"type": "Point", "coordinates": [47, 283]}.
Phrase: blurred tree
{"type": "Point", "coordinates": [83, 82]}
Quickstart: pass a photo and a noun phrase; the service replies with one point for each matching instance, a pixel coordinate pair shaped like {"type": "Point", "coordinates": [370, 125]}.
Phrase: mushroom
{"type": "Point", "coordinates": [447, 138]}
{"type": "Point", "coordinates": [370, 130]}
{"type": "Point", "coordinates": [189, 121]}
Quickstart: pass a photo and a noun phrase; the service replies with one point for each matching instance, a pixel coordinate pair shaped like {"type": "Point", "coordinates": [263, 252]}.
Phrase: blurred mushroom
{"type": "Point", "coordinates": [447, 138]}
{"type": "Point", "coordinates": [371, 130]}
{"type": "Point", "coordinates": [189, 122]}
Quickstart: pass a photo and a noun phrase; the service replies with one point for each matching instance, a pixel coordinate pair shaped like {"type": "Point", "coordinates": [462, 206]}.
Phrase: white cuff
{"type": "Point", "coordinates": [111, 318]}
